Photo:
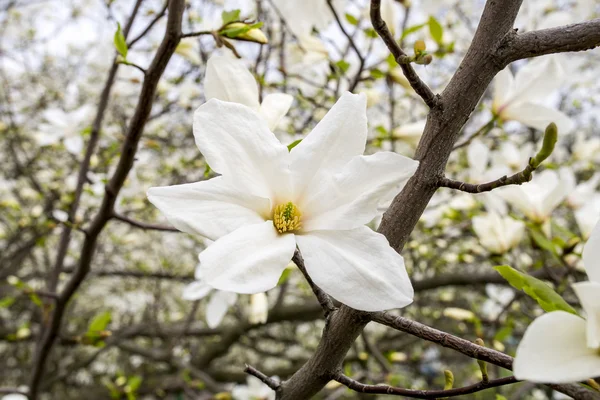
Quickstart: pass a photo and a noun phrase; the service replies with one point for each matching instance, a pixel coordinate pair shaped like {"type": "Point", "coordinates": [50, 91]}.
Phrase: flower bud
{"type": "Point", "coordinates": [419, 46]}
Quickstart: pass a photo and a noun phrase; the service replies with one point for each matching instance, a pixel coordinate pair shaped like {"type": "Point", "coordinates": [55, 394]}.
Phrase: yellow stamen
{"type": "Point", "coordinates": [286, 217]}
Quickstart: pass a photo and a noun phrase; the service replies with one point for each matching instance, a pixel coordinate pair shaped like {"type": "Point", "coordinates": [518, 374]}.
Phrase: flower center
{"type": "Point", "coordinates": [286, 217]}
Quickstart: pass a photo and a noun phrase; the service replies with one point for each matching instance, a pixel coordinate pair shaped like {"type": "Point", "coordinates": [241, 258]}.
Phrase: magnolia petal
{"type": "Point", "coordinates": [196, 291]}
{"type": "Point", "coordinates": [538, 79]}
{"type": "Point", "coordinates": [553, 350]}
{"type": "Point", "coordinates": [73, 144]}
{"type": "Point", "coordinates": [259, 308]}
{"type": "Point", "coordinates": [274, 107]}
{"type": "Point", "coordinates": [591, 255]}
{"type": "Point", "coordinates": [248, 260]}
{"type": "Point", "coordinates": [237, 143]}
{"type": "Point", "coordinates": [357, 267]}
{"type": "Point", "coordinates": [351, 197]}
{"type": "Point", "coordinates": [559, 190]}
{"type": "Point", "coordinates": [503, 85]}
{"type": "Point", "coordinates": [589, 297]}
{"type": "Point", "coordinates": [478, 156]}
{"type": "Point", "coordinates": [209, 208]}
{"type": "Point", "coordinates": [538, 116]}
{"type": "Point", "coordinates": [228, 79]}
{"type": "Point", "coordinates": [217, 307]}
{"type": "Point", "coordinates": [340, 136]}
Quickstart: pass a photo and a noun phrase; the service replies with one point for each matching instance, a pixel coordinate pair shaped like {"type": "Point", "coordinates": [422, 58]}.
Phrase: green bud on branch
{"type": "Point", "coordinates": [550, 138]}
{"type": "Point", "coordinates": [449, 379]}
{"type": "Point", "coordinates": [482, 364]}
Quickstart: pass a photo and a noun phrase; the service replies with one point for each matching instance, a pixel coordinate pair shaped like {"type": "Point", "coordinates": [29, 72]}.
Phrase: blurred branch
{"type": "Point", "coordinates": [125, 163]}
{"type": "Point", "coordinates": [143, 225]}
{"type": "Point", "coordinates": [270, 382]}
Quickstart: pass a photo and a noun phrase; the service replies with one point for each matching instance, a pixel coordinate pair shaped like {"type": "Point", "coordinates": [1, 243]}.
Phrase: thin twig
{"type": "Point", "coordinates": [415, 82]}
{"type": "Point", "coordinates": [421, 394]}
{"type": "Point", "coordinates": [144, 225]}
{"type": "Point", "coordinates": [270, 382]}
{"type": "Point", "coordinates": [517, 179]}
{"type": "Point", "coordinates": [323, 298]}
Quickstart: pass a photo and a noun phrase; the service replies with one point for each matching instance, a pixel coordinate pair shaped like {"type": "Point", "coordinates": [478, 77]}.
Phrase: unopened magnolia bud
{"type": "Point", "coordinates": [550, 138]}
{"type": "Point", "coordinates": [239, 30]}
{"type": "Point", "coordinates": [425, 60]}
{"type": "Point", "coordinates": [255, 35]}
{"type": "Point", "coordinates": [482, 364]}
{"type": "Point", "coordinates": [449, 379]}
{"type": "Point", "coordinates": [419, 46]}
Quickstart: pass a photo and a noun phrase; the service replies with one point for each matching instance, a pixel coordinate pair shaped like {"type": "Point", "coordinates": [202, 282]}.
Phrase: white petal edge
{"type": "Point", "coordinates": [591, 255]}
{"type": "Point", "coordinates": [274, 107]}
{"type": "Point", "coordinates": [237, 143]}
{"type": "Point", "coordinates": [248, 260]}
{"type": "Point", "coordinates": [217, 307]}
{"type": "Point", "coordinates": [228, 79]}
{"type": "Point", "coordinates": [340, 136]}
{"type": "Point", "coordinates": [196, 290]}
{"type": "Point", "coordinates": [357, 267]}
{"type": "Point", "coordinates": [553, 350]}
{"type": "Point", "coordinates": [209, 208]}
{"type": "Point", "coordinates": [589, 297]}
{"type": "Point", "coordinates": [351, 197]}
{"type": "Point", "coordinates": [538, 117]}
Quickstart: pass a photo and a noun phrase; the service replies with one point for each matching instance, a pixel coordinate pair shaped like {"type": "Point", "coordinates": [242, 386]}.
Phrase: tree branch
{"type": "Point", "coordinates": [322, 297]}
{"type": "Point", "coordinates": [270, 382]}
{"type": "Point", "coordinates": [575, 37]}
{"type": "Point", "coordinates": [415, 82]}
{"type": "Point", "coordinates": [469, 349]}
{"type": "Point", "coordinates": [421, 394]}
{"type": "Point", "coordinates": [134, 132]}
{"type": "Point", "coordinates": [144, 225]}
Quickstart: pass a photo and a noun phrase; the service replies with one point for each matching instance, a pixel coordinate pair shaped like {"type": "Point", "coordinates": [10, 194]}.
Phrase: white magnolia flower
{"type": "Point", "coordinates": [228, 79]}
{"type": "Point", "coordinates": [498, 234]}
{"type": "Point", "coordinates": [559, 347]}
{"type": "Point", "coordinates": [301, 16]}
{"type": "Point", "coordinates": [582, 193]}
{"type": "Point", "coordinates": [67, 126]}
{"type": "Point", "coordinates": [498, 298]}
{"type": "Point", "coordinates": [268, 201]}
{"type": "Point", "coordinates": [410, 133]}
{"type": "Point", "coordinates": [254, 389]}
{"type": "Point", "coordinates": [14, 396]}
{"type": "Point", "coordinates": [219, 303]}
{"type": "Point", "coordinates": [587, 216]}
{"type": "Point", "coordinates": [513, 156]}
{"type": "Point", "coordinates": [518, 98]}
{"type": "Point", "coordinates": [537, 198]}
{"type": "Point", "coordinates": [259, 308]}
{"type": "Point", "coordinates": [390, 15]}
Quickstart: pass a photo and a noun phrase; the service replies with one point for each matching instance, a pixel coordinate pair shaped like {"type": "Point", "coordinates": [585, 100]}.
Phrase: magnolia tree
{"type": "Point", "coordinates": [285, 199]}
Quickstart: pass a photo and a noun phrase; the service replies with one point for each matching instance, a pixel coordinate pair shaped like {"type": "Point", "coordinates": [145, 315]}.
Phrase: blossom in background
{"type": "Point", "coordinates": [228, 79]}
{"type": "Point", "coordinates": [67, 126]}
{"type": "Point", "coordinates": [410, 133]}
{"type": "Point", "coordinates": [253, 389]}
{"type": "Point", "coordinates": [537, 198]}
{"type": "Point", "coordinates": [498, 298]}
{"type": "Point", "coordinates": [519, 98]}
{"type": "Point", "coordinates": [498, 234]}
{"type": "Point", "coordinates": [220, 301]}
{"type": "Point", "coordinates": [560, 347]}
{"type": "Point", "coordinates": [267, 201]}
{"type": "Point", "coordinates": [588, 215]}
{"type": "Point", "coordinates": [301, 16]}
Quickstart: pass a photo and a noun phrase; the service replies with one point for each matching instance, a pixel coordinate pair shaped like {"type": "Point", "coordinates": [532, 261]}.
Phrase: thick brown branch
{"type": "Point", "coordinates": [576, 37]}
{"type": "Point", "coordinates": [421, 394]}
{"type": "Point", "coordinates": [415, 82]}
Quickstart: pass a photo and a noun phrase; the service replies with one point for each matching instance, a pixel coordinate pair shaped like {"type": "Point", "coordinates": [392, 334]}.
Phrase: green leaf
{"type": "Point", "coordinates": [351, 19]}
{"type": "Point", "coordinates": [230, 16]}
{"type": "Point", "coordinates": [412, 29]}
{"type": "Point", "coordinates": [377, 73]}
{"type": "Point", "coordinates": [293, 144]}
{"type": "Point", "coordinates": [545, 296]}
{"type": "Point", "coordinates": [134, 382]}
{"type": "Point", "coordinates": [6, 302]}
{"type": "Point", "coordinates": [343, 65]}
{"type": "Point", "coordinates": [120, 43]}
{"type": "Point", "coordinates": [370, 33]}
{"type": "Point", "coordinates": [542, 241]}
{"type": "Point", "coordinates": [100, 322]}
{"type": "Point", "coordinates": [436, 30]}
